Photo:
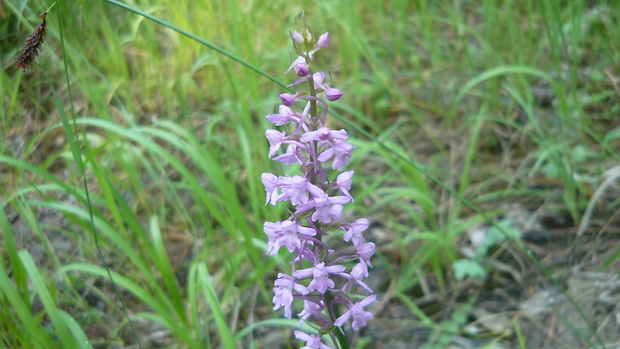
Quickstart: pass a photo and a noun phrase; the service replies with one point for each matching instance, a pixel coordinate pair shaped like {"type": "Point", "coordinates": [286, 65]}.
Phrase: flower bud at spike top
{"type": "Point", "coordinates": [326, 280]}
{"type": "Point", "coordinates": [298, 39]}
{"type": "Point", "coordinates": [307, 35]}
{"type": "Point", "coordinates": [323, 41]}
{"type": "Point", "coordinates": [333, 94]}
{"type": "Point", "coordinates": [287, 99]}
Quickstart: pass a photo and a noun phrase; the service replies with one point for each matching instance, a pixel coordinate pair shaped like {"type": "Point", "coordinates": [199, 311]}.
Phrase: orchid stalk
{"type": "Point", "coordinates": [327, 281]}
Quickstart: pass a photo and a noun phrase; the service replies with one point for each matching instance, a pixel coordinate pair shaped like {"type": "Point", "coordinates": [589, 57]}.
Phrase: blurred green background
{"type": "Point", "coordinates": [471, 119]}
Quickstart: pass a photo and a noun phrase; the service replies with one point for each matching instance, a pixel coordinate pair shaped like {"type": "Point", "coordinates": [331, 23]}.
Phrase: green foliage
{"type": "Point", "coordinates": [465, 267]}
{"type": "Point", "coordinates": [473, 267]}
{"type": "Point", "coordinates": [442, 333]}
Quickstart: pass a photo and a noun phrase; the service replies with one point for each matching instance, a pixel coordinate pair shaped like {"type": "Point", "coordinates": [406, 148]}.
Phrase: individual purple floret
{"type": "Point", "coordinates": [312, 341]}
{"type": "Point", "coordinates": [326, 281]}
{"type": "Point", "coordinates": [356, 310]}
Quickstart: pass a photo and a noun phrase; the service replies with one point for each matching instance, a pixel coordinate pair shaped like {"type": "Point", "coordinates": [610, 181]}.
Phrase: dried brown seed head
{"type": "Point", "coordinates": [33, 44]}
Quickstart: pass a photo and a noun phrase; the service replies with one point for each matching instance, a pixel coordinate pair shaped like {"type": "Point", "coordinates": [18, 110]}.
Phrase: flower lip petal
{"type": "Point", "coordinates": [275, 139]}
{"type": "Point", "coordinates": [299, 59]}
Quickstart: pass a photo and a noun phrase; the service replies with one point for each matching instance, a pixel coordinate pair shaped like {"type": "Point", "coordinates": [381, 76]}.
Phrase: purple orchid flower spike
{"type": "Point", "coordinates": [328, 284]}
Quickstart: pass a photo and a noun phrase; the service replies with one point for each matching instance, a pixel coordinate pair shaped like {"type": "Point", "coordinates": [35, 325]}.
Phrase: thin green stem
{"type": "Point", "coordinates": [343, 342]}
{"type": "Point", "coordinates": [72, 137]}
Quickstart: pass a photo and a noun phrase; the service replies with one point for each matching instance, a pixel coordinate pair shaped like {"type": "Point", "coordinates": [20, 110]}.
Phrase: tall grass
{"type": "Point", "coordinates": [441, 103]}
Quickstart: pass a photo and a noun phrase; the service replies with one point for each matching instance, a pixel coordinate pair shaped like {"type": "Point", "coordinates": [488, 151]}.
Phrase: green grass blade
{"type": "Point", "coordinates": [156, 303]}
{"type": "Point", "coordinates": [162, 262]}
{"type": "Point", "coordinates": [19, 303]}
{"type": "Point", "coordinates": [43, 290]}
{"type": "Point", "coordinates": [78, 333]}
{"type": "Point", "coordinates": [204, 279]}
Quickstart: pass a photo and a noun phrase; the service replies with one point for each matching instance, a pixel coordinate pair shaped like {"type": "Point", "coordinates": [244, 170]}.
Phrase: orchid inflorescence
{"type": "Point", "coordinates": [319, 276]}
